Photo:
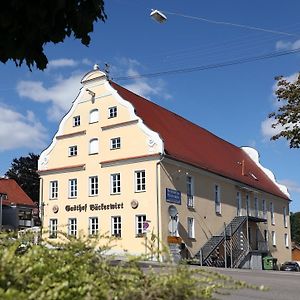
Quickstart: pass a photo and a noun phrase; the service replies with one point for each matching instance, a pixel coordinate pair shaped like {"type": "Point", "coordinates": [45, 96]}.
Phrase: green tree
{"type": "Point", "coordinates": [295, 227]}
{"type": "Point", "coordinates": [24, 171]}
{"type": "Point", "coordinates": [288, 114]}
{"type": "Point", "coordinates": [27, 26]}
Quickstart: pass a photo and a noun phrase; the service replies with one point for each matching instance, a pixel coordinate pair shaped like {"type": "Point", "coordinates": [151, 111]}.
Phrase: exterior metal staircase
{"type": "Point", "coordinates": [238, 245]}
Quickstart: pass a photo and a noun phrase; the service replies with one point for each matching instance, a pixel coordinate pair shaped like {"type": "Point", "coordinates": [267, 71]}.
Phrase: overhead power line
{"type": "Point", "coordinates": [211, 66]}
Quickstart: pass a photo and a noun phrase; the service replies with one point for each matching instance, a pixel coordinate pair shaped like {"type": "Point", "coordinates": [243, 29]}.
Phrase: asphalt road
{"type": "Point", "coordinates": [282, 285]}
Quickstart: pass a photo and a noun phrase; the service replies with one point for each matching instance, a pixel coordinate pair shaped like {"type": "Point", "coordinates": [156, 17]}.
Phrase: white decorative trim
{"type": "Point", "coordinates": [154, 136]}
{"type": "Point", "coordinates": [254, 155]}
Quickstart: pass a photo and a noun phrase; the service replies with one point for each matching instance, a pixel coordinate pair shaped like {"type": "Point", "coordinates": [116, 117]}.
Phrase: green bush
{"type": "Point", "coordinates": [79, 269]}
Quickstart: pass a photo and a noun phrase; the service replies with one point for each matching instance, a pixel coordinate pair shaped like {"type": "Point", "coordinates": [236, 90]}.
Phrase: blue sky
{"type": "Point", "coordinates": [233, 102]}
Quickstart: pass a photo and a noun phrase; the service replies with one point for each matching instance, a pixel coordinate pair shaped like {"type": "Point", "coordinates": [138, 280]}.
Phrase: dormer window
{"type": "Point", "coordinates": [112, 112]}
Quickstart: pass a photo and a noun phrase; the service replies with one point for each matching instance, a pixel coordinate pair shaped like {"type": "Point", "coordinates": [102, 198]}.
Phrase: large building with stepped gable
{"type": "Point", "coordinates": [123, 165]}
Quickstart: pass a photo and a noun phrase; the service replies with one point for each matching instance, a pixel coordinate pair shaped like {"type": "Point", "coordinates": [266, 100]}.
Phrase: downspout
{"type": "Point", "coordinates": [158, 205]}
{"type": "Point", "coordinates": [41, 203]}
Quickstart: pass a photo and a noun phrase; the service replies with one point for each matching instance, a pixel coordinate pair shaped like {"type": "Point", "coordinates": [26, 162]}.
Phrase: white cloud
{"type": "Point", "coordinates": [267, 130]}
{"type": "Point", "coordinates": [282, 45]}
{"type": "Point", "coordinates": [60, 95]}
{"type": "Point", "coordinates": [291, 185]}
{"type": "Point", "coordinates": [26, 130]}
{"type": "Point", "coordinates": [61, 63]}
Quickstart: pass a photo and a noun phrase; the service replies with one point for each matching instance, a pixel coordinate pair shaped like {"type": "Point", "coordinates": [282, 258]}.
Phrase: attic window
{"type": "Point", "coordinates": [253, 176]}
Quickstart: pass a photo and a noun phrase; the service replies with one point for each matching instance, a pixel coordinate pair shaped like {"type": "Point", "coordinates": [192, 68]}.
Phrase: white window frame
{"type": "Point", "coordinates": [93, 186]}
{"type": "Point", "coordinates": [72, 227]}
{"type": "Point", "coordinates": [256, 206]}
{"type": "Point", "coordinates": [94, 146]}
{"type": "Point", "coordinates": [94, 116]}
{"type": "Point", "coordinates": [248, 205]}
{"type": "Point", "coordinates": [73, 188]}
{"type": "Point", "coordinates": [139, 225]}
{"type": "Point", "coordinates": [285, 221]}
{"type": "Point", "coordinates": [115, 143]}
{"type": "Point", "coordinates": [264, 209]}
{"type": "Point", "coordinates": [190, 191]}
{"type": "Point", "coordinates": [217, 196]}
{"type": "Point", "coordinates": [116, 226]}
{"type": "Point", "coordinates": [112, 112]}
{"type": "Point", "coordinates": [115, 183]}
{"type": "Point", "coordinates": [273, 234]}
{"type": "Point", "coordinates": [76, 121]}
{"type": "Point", "coordinates": [53, 193]}
{"type": "Point", "coordinates": [286, 240]}
{"type": "Point", "coordinates": [140, 181]}
{"type": "Point", "coordinates": [238, 203]}
{"type": "Point", "coordinates": [53, 228]}
{"type": "Point", "coordinates": [272, 215]}
{"type": "Point", "coordinates": [73, 150]}
{"type": "Point", "coordinates": [191, 227]}
{"type": "Point", "coordinates": [93, 225]}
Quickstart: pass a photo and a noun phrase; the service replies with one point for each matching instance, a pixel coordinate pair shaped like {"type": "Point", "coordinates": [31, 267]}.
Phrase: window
{"type": "Point", "coordinates": [139, 224]}
{"type": "Point", "coordinates": [190, 191]}
{"type": "Point", "coordinates": [285, 217]}
{"type": "Point", "coordinates": [72, 227]}
{"type": "Point", "coordinates": [115, 183]}
{"type": "Point", "coordinates": [112, 112]}
{"type": "Point", "coordinates": [76, 121]}
{"type": "Point", "coordinates": [94, 146]}
{"type": "Point", "coordinates": [191, 227]}
{"type": "Point", "coordinates": [217, 199]}
{"type": "Point", "coordinates": [264, 209]}
{"type": "Point", "coordinates": [93, 185]}
{"type": "Point", "coordinates": [73, 188]}
{"type": "Point", "coordinates": [116, 226]}
{"type": "Point", "coordinates": [238, 204]}
{"type": "Point", "coordinates": [94, 116]}
{"type": "Point", "coordinates": [273, 238]}
{"type": "Point", "coordinates": [248, 205]}
{"type": "Point", "coordinates": [266, 235]}
{"type": "Point", "coordinates": [53, 189]}
{"type": "Point", "coordinates": [256, 206]}
{"type": "Point", "coordinates": [115, 143]}
{"type": "Point", "coordinates": [272, 213]}
{"type": "Point", "coordinates": [53, 228]}
{"type": "Point", "coordinates": [140, 181]}
{"type": "Point", "coordinates": [72, 150]}
{"type": "Point", "coordinates": [93, 226]}
{"type": "Point", "coordinates": [286, 240]}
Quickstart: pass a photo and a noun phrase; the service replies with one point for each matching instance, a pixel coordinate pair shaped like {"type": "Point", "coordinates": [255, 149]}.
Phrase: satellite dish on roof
{"type": "Point", "coordinates": [158, 16]}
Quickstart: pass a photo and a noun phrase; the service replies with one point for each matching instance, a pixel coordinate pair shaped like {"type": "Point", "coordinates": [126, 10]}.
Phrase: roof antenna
{"type": "Point", "coordinates": [107, 70]}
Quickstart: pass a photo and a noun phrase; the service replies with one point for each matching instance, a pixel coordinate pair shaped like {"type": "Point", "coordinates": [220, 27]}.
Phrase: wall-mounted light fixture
{"type": "Point", "coordinates": [93, 94]}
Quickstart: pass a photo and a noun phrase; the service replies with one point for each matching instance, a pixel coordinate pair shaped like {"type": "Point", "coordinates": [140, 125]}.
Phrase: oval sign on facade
{"type": "Point", "coordinates": [55, 209]}
{"type": "Point", "coordinates": [173, 212]}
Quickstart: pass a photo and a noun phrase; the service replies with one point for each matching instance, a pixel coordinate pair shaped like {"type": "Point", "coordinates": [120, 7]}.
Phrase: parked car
{"type": "Point", "coordinates": [290, 266]}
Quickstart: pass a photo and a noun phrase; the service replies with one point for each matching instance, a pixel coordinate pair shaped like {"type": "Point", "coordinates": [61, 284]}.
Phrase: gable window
{"type": "Point", "coordinates": [190, 191]}
{"type": "Point", "coordinates": [53, 189]}
{"type": "Point", "coordinates": [115, 183]}
{"type": "Point", "coordinates": [285, 217]}
{"type": "Point", "coordinates": [217, 199]}
{"type": "Point", "coordinates": [53, 228]}
{"type": "Point", "coordinates": [112, 112]}
{"type": "Point", "coordinates": [93, 226]}
{"type": "Point", "coordinates": [140, 181]}
{"type": "Point", "coordinates": [139, 224]}
{"type": "Point", "coordinates": [191, 227]}
{"type": "Point", "coordinates": [93, 146]}
{"type": "Point", "coordinates": [115, 143]}
{"type": "Point", "coordinates": [72, 150]}
{"type": "Point", "coordinates": [72, 226]}
{"type": "Point", "coordinates": [73, 188]}
{"type": "Point", "coordinates": [94, 116]}
{"type": "Point", "coordinates": [76, 121]}
{"type": "Point", "coordinates": [273, 238]}
{"type": "Point", "coordinates": [238, 204]}
{"type": "Point", "coordinates": [116, 226]}
{"type": "Point", "coordinates": [272, 213]}
{"type": "Point", "coordinates": [93, 185]}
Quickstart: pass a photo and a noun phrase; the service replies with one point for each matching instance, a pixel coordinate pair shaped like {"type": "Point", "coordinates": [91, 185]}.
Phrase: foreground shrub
{"type": "Point", "coordinates": [80, 270]}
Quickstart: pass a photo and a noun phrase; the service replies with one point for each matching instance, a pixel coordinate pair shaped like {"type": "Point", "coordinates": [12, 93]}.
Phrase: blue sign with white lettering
{"type": "Point", "coordinates": [173, 196]}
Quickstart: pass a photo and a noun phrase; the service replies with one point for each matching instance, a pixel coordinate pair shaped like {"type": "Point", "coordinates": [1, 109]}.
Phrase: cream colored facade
{"type": "Point", "coordinates": [111, 139]}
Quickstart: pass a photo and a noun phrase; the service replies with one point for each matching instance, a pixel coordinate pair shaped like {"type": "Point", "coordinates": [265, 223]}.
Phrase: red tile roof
{"type": "Point", "coordinates": [187, 142]}
{"type": "Point", "coordinates": [14, 192]}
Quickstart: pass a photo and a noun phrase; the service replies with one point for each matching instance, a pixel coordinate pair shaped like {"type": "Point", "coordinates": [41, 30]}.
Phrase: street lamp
{"type": "Point", "coordinates": [2, 197]}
